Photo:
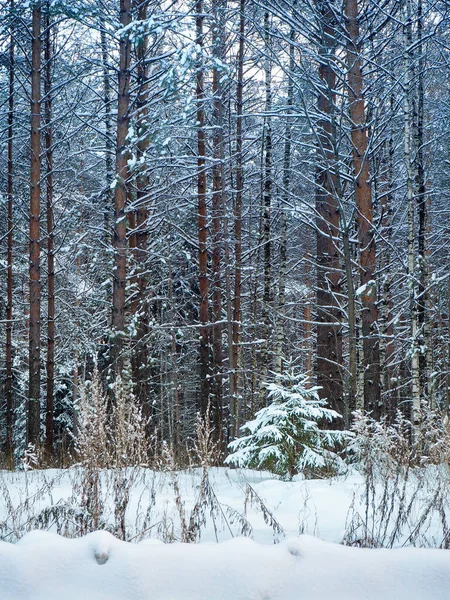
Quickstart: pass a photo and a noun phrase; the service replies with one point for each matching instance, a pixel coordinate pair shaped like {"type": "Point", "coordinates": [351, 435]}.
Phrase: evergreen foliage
{"type": "Point", "coordinates": [288, 435]}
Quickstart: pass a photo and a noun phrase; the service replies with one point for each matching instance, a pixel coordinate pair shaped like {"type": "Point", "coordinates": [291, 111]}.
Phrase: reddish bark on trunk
{"type": "Point", "coordinates": [329, 332]}
{"type": "Point", "coordinates": [235, 391]}
{"type": "Point", "coordinates": [9, 276]}
{"type": "Point", "coordinates": [202, 223]}
{"type": "Point", "coordinates": [49, 428]}
{"type": "Point", "coordinates": [34, 391]}
{"type": "Point", "coordinates": [364, 205]}
{"type": "Point", "coordinates": [120, 195]}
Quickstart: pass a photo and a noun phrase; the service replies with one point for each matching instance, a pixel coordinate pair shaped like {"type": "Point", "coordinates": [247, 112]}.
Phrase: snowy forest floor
{"type": "Point", "coordinates": [214, 505]}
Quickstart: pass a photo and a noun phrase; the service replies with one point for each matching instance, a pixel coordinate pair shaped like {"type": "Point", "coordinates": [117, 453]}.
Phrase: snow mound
{"type": "Point", "coordinates": [46, 566]}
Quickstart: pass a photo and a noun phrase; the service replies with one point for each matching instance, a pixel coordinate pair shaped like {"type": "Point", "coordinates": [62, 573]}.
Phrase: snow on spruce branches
{"type": "Point", "coordinates": [287, 436]}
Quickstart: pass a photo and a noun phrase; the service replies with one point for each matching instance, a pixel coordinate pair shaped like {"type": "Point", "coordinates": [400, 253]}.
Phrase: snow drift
{"type": "Point", "coordinates": [46, 566]}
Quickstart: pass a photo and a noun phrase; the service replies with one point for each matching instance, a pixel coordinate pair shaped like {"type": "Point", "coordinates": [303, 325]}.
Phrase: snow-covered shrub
{"type": "Point", "coordinates": [433, 437]}
{"type": "Point", "coordinates": [384, 445]}
{"type": "Point", "coordinates": [287, 436]}
{"type": "Point", "coordinates": [112, 447]}
{"type": "Point", "coordinates": [406, 481]}
{"type": "Point", "coordinates": [379, 446]}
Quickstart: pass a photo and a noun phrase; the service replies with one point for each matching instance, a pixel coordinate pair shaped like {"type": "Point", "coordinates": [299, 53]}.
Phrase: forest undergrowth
{"type": "Point", "coordinates": [402, 497]}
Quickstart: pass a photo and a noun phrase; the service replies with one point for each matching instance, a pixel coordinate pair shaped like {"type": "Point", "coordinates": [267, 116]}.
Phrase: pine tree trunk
{"type": "Point", "coordinates": [9, 261]}
{"type": "Point", "coordinates": [176, 386]}
{"type": "Point", "coordinates": [329, 328]}
{"type": "Point", "coordinates": [267, 206]}
{"type": "Point", "coordinates": [202, 224]}
{"type": "Point", "coordinates": [308, 338]}
{"type": "Point", "coordinates": [49, 427]}
{"type": "Point", "coordinates": [34, 390]}
{"type": "Point", "coordinates": [278, 366]}
{"type": "Point", "coordinates": [430, 305]}
{"type": "Point", "coordinates": [109, 146]}
{"type": "Point", "coordinates": [422, 294]}
{"type": "Point", "coordinates": [139, 361]}
{"type": "Point", "coordinates": [235, 392]}
{"type": "Point", "coordinates": [354, 401]}
{"type": "Point", "coordinates": [218, 203]}
{"type": "Point", "coordinates": [364, 205]}
{"type": "Point", "coordinates": [76, 355]}
{"type": "Point", "coordinates": [120, 196]}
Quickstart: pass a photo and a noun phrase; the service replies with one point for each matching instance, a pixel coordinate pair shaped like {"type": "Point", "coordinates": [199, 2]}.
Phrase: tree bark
{"type": "Point", "coordinates": [387, 317]}
{"type": "Point", "coordinates": [217, 217]}
{"type": "Point", "coordinates": [354, 401]}
{"type": "Point", "coordinates": [308, 341]}
{"type": "Point", "coordinates": [49, 423]}
{"type": "Point", "coordinates": [364, 205]}
{"type": "Point", "coordinates": [109, 146]}
{"type": "Point", "coordinates": [284, 203]}
{"type": "Point", "coordinates": [120, 196]}
{"type": "Point", "coordinates": [202, 223]}
{"type": "Point", "coordinates": [422, 293]}
{"type": "Point", "coordinates": [34, 389]}
{"type": "Point", "coordinates": [236, 383]}
{"type": "Point", "coordinates": [9, 260]}
{"type": "Point", "coordinates": [267, 206]}
{"type": "Point", "coordinates": [329, 328]}
{"type": "Point", "coordinates": [408, 111]}
{"type": "Point", "coordinates": [139, 361]}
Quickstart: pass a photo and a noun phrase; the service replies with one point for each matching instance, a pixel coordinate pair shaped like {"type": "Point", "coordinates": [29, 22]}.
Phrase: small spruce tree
{"type": "Point", "coordinates": [286, 437]}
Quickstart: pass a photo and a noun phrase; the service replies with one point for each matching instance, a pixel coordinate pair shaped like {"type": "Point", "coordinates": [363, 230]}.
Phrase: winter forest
{"type": "Point", "coordinates": [199, 198]}
{"type": "Point", "coordinates": [224, 245]}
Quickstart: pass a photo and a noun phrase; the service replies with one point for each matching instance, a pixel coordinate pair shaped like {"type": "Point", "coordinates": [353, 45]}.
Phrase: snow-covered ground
{"type": "Point", "coordinates": [43, 566]}
{"type": "Point", "coordinates": [235, 502]}
{"type": "Point", "coordinates": [317, 507]}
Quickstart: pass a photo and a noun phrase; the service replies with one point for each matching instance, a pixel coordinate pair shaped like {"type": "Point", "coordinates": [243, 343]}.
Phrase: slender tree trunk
{"type": "Point", "coordinates": [202, 224]}
{"type": "Point", "coordinates": [279, 354]}
{"type": "Point", "coordinates": [422, 294]}
{"type": "Point", "coordinates": [75, 391]}
{"type": "Point", "coordinates": [354, 401]}
{"type": "Point", "coordinates": [236, 383]}
{"type": "Point", "coordinates": [109, 145]}
{"type": "Point", "coordinates": [430, 305]}
{"type": "Point", "coordinates": [9, 261]}
{"type": "Point", "coordinates": [49, 428]}
{"type": "Point", "coordinates": [139, 360]}
{"type": "Point", "coordinates": [34, 390]}
{"type": "Point", "coordinates": [415, 366]}
{"type": "Point", "coordinates": [78, 375]}
{"type": "Point", "coordinates": [267, 206]}
{"type": "Point", "coordinates": [120, 195]}
{"type": "Point", "coordinates": [387, 319]}
{"type": "Point", "coordinates": [364, 205]}
{"type": "Point", "coordinates": [329, 328]}
{"type": "Point", "coordinates": [229, 268]}
{"type": "Point", "coordinates": [229, 315]}
{"type": "Point", "coordinates": [251, 407]}
{"type": "Point", "coordinates": [134, 300]}
{"type": "Point", "coordinates": [284, 203]}
{"type": "Point", "coordinates": [177, 389]}
{"type": "Point", "coordinates": [308, 338]}
{"type": "Point", "coordinates": [217, 217]}
{"type": "Point", "coordinates": [447, 365]}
